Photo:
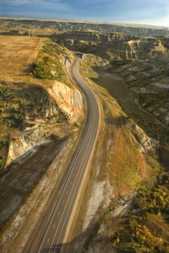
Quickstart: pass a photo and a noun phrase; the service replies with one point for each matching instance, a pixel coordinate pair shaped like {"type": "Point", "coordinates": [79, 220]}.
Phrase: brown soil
{"type": "Point", "coordinates": [17, 55]}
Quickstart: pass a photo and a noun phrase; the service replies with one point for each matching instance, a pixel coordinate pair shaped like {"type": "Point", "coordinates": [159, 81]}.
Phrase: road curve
{"type": "Point", "coordinates": [51, 230]}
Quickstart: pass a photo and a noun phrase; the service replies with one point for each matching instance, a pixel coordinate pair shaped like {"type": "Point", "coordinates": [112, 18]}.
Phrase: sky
{"type": "Point", "coordinates": [130, 11]}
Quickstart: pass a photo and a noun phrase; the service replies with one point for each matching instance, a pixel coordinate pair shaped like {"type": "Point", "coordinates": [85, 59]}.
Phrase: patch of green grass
{"type": "Point", "coordinates": [48, 68]}
{"type": "Point", "coordinates": [48, 65]}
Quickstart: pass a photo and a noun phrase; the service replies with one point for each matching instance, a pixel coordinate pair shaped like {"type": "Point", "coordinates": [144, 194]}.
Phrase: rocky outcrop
{"type": "Point", "coordinates": [131, 51]}
{"type": "Point", "coordinates": [147, 144]}
{"type": "Point", "coordinates": [69, 100]}
{"type": "Point", "coordinates": [46, 113]}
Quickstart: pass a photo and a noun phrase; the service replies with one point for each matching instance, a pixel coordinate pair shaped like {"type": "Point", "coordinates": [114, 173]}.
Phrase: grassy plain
{"type": "Point", "coordinates": [17, 56]}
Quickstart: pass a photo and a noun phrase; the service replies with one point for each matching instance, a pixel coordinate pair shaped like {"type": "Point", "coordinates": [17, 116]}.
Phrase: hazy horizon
{"type": "Point", "coordinates": [149, 12]}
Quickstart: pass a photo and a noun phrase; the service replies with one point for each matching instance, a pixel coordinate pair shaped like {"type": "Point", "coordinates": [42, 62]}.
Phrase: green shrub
{"type": "Point", "coordinates": [15, 120]}
{"type": "Point", "coordinates": [3, 143]}
{"type": "Point", "coordinates": [48, 65]}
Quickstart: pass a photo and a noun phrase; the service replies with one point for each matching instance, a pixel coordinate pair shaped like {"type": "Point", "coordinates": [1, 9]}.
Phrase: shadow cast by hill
{"type": "Point", "coordinates": [84, 242]}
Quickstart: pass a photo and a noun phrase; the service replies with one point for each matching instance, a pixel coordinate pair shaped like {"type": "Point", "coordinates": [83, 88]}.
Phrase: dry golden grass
{"type": "Point", "coordinates": [17, 53]}
{"type": "Point", "coordinates": [126, 166]}
{"type": "Point", "coordinates": [129, 164]}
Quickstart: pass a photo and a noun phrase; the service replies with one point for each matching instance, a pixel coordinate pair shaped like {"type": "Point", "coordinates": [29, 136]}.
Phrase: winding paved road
{"type": "Point", "coordinates": [53, 228]}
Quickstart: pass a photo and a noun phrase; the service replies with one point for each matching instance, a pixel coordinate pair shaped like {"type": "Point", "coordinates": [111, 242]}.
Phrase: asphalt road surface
{"type": "Point", "coordinates": [49, 233]}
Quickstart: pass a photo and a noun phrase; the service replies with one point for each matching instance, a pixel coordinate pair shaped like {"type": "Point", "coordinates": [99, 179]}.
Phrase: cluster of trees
{"type": "Point", "coordinates": [145, 229]}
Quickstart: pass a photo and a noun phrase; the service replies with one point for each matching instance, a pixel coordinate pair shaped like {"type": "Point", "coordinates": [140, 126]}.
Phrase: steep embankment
{"type": "Point", "coordinates": [32, 112]}
{"type": "Point", "coordinates": [41, 115]}
{"type": "Point", "coordinates": [28, 117]}
{"type": "Point", "coordinates": [128, 205]}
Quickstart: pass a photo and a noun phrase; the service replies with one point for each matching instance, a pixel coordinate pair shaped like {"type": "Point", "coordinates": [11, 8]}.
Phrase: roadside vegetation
{"type": "Point", "coordinates": [139, 200]}
{"type": "Point", "coordinates": [50, 62]}
{"type": "Point", "coordinates": [23, 100]}
{"type": "Point", "coordinates": [145, 226]}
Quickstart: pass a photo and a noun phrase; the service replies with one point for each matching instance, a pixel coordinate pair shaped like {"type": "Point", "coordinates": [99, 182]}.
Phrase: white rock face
{"type": "Point", "coordinates": [20, 148]}
{"type": "Point", "coordinates": [68, 99]}
{"type": "Point", "coordinates": [162, 85]}
{"type": "Point", "coordinates": [146, 143]}
{"type": "Point", "coordinates": [132, 50]}
{"type": "Point", "coordinates": [70, 102]}
{"type": "Point", "coordinates": [96, 199]}
{"type": "Point", "coordinates": [16, 148]}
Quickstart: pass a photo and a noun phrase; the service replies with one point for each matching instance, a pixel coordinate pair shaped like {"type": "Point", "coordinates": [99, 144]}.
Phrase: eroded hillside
{"type": "Point", "coordinates": [32, 110]}
{"type": "Point", "coordinates": [129, 194]}
{"type": "Point", "coordinates": [42, 111]}
{"type": "Point", "coordinates": [137, 75]}
{"type": "Point", "coordinates": [41, 114]}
